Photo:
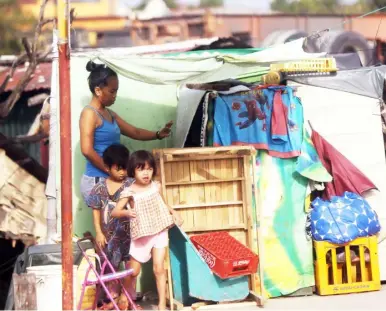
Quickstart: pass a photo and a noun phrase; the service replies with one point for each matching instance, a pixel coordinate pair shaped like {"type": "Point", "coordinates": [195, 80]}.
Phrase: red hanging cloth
{"type": "Point", "coordinates": [346, 177]}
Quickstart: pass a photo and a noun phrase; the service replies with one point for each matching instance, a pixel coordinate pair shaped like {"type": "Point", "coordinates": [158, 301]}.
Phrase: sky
{"type": "Point", "coordinates": [258, 5]}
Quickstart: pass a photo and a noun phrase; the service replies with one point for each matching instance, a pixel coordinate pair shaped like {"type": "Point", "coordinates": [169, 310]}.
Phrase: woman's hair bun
{"type": "Point", "coordinates": [91, 66]}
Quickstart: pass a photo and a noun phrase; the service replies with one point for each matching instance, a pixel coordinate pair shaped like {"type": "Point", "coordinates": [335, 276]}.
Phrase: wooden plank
{"type": "Point", "coordinates": [196, 192]}
{"type": "Point", "coordinates": [163, 181]}
{"type": "Point", "coordinates": [257, 234]}
{"type": "Point", "coordinates": [257, 298]}
{"type": "Point", "coordinates": [247, 189]}
{"type": "Point", "coordinates": [173, 159]}
{"type": "Point", "coordinates": [217, 221]}
{"type": "Point", "coordinates": [210, 193]}
{"type": "Point", "coordinates": [183, 175]}
{"type": "Point", "coordinates": [193, 190]}
{"type": "Point", "coordinates": [217, 204]}
{"type": "Point", "coordinates": [211, 189]}
{"type": "Point", "coordinates": [24, 288]}
{"type": "Point", "coordinates": [167, 259]}
{"type": "Point", "coordinates": [212, 151]}
{"type": "Point", "coordinates": [177, 305]}
{"type": "Point", "coordinates": [226, 171]}
{"type": "Point", "coordinates": [209, 181]}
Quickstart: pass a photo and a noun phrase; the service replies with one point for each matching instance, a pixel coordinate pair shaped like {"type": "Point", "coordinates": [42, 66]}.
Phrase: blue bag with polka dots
{"type": "Point", "coordinates": [343, 219]}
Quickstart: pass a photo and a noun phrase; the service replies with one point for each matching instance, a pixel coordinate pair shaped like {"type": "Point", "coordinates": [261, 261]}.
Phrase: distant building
{"type": "Point", "coordinates": [97, 23]}
{"type": "Point", "coordinates": [104, 23]}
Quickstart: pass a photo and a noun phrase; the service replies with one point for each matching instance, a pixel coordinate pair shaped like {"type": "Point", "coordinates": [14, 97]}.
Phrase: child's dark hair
{"type": "Point", "coordinates": [138, 159]}
{"type": "Point", "coordinates": [118, 155]}
{"type": "Point", "coordinates": [99, 75]}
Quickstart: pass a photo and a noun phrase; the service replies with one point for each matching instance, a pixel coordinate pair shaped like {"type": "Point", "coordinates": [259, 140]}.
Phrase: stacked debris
{"type": "Point", "coordinates": [23, 204]}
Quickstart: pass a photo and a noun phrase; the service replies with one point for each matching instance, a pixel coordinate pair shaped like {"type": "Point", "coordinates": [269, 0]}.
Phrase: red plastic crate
{"type": "Point", "coordinates": [225, 256]}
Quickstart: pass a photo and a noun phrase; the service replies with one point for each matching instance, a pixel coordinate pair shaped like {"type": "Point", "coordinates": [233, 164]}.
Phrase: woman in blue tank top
{"type": "Point", "coordinates": [100, 127]}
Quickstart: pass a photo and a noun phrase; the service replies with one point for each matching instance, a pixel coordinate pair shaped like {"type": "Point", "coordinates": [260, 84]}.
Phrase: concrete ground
{"type": "Point", "coordinates": [363, 301]}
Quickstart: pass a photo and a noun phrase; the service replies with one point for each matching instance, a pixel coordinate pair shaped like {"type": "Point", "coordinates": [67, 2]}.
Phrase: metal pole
{"type": "Point", "coordinates": [65, 154]}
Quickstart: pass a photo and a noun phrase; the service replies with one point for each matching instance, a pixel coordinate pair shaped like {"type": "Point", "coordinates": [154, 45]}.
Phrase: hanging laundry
{"type": "Point", "coordinates": [269, 118]}
{"type": "Point", "coordinates": [309, 164]}
{"type": "Point", "coordinates": [346, 177]}
{"type": "Point", "coordinates": [343, 219]}
{"type": "Point", "coordinates": [210, 124]}
{"type": "Point", "coordinates": [282, 185]}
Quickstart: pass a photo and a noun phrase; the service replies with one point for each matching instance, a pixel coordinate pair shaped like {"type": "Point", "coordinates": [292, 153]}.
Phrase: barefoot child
{"type": "Point", "coordinates": [112, 234]}
{"type": "Point", "coordinates": [150, 221]}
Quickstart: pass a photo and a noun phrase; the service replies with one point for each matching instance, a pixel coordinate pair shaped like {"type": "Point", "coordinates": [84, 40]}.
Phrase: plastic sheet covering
{"type": "Point", "coordinates": [347, 61]}
{"type": "Point", "coordinates": [352, 124]}
{"type": "Point", "coordinates": [167, 70]}
{"type": "Point", "coordinates": [364, 81]}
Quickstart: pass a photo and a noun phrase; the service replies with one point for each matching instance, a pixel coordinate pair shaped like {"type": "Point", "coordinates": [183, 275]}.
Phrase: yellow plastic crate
{"type": "Point", "coordinates": [333, 277]}
{"type": "Point", "coordinates": [307, 65]}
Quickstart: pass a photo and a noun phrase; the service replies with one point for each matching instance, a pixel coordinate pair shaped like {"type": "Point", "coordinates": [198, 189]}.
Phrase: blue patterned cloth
{"type": "Point", "coordinates": [267, 118]}
{"type": "Point", "coordinates": [343, 219]}
{"type": "Point", "coordinates": [116, 231]}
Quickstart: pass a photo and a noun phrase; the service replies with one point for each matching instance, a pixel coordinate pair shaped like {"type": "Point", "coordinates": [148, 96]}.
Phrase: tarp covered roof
{"type": "Point", "coordinates": [366, 81]}
{"type": "Point", "coordinates": [177, 70]}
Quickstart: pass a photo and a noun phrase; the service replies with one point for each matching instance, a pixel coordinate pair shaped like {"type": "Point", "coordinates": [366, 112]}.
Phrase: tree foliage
{"type": "Point", "coordinates": [171, 4]}
{"type": "Point", "coordinates": [375, 4]}
{"type": "Point", "coordinates": [324, 6]}
{"type": "Point", "coordinates": [211, 3]}
{"type": "Point", "coordinates": [14, 23]}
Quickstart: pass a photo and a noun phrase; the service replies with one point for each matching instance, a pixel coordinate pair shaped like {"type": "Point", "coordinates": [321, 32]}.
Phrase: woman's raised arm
{"type": "Point", "coordinates": [141, 134]}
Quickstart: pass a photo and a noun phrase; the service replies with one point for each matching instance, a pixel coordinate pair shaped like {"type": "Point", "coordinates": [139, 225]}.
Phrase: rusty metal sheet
{"type": "Point", "coordinates": [41, 78]}
{"type": "Point", "coordinates": [24, 287]}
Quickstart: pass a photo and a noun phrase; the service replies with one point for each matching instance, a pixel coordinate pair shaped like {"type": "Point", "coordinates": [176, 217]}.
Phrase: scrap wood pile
{"type": "Point", "coordinates": [23, 204]}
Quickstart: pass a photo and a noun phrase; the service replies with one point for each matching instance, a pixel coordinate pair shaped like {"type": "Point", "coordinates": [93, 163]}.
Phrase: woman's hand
{"type": "Point", "coordinates": [130, 213]}
{"type": "Point", "coordinates": [100, 240]}
{"type": "Point", "coordinates": [177, 219]}
{"type": "Point", "coordinates": [165, 132]}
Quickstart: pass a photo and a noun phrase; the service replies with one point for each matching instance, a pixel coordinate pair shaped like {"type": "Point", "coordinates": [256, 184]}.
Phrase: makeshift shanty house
{"type": "Point", "coordinates": [23, 118]}
{"type": "Point", "coordinates": [345, 110]}
{"type": "Point", "coordinates": [23, 206]}
{"type": "Point", "coordinates": [23, 202]}
{"type": "Point", "coordinates": [281, 198]}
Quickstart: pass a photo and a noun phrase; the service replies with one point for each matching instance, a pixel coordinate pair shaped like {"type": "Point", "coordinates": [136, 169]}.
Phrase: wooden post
{"type": "Point", "coordinates": [65, 154]}
{"type": "Point", "coordinates": [168, 265]}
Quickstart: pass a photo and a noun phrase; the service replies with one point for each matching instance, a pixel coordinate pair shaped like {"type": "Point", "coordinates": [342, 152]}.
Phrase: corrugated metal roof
{"type": "Point", "coordinates": [41, 78]}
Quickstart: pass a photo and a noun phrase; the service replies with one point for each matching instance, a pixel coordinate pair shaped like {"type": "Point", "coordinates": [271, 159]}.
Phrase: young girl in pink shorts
{"type": "Point", "coordinates": [150, 219]}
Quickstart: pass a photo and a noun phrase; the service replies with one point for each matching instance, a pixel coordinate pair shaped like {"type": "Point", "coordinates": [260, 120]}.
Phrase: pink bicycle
{"type": "Point", "coordinates": [102, 278]}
